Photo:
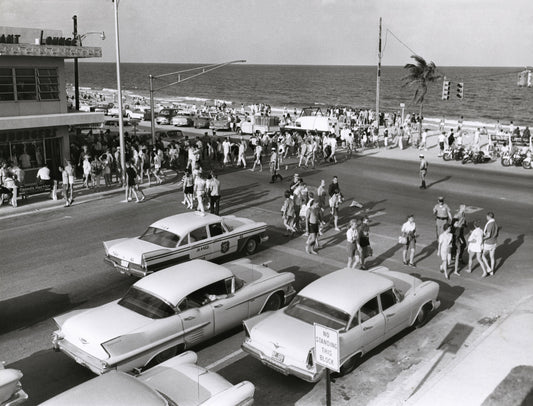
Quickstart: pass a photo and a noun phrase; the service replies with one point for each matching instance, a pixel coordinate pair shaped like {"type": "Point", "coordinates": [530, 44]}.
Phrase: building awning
{"type": "Point", "coordinates": [49, 120]}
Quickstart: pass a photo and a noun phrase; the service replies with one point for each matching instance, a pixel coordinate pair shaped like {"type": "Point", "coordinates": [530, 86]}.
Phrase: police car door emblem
{"type": "Point", "coordinates": [224, 247]}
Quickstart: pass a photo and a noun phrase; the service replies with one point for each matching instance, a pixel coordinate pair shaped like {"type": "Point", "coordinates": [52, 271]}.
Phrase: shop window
{"type": "Point", "coordinates": [48, 84]}
{"type": "Point", "coordinates": [7, 91]}
{"type": "Point", "coordinates": [29, 84]}
{"type": "Point", "coordinates": [26, 84]}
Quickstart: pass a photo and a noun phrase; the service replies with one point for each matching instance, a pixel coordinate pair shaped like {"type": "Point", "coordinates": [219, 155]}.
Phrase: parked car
{"type": "Point", "coordinates": [147, 115]}
{"type": "Point", "coordinates": [182, 119]}
{"type": "Point", "coordinates": [103, 107]}
{"type": "Point", "coordinates": [178, 381]}
{"type": "Point", "coordinates": [136, 114]}
{"type": "Point", "coordinates": [164, 116]}
{"type": "Point", "coordinates": [252, 124]}
{"type": "Point", "coordinates": [201, 121]}
{"type": "Point", "coordinates": [182, 237]}
{"type": "Point", "coordinates": [11, 392]}
{"type": "Point", "coordinates": [113, 111]}
{"type": "Point", "coordinates": [366, 307]}
{"type": "Point", "coordinates": [168, 312]}
{"type": "Point", "coordinates": [167, 137]}
{"type": "Point", "coordinates": [220, 123]}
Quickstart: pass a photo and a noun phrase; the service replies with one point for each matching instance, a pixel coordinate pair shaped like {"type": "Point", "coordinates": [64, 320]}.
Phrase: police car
{"type": "Point", "coordinates": [184, 237]}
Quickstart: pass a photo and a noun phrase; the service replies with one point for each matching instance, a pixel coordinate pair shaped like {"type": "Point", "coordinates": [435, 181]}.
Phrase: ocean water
{"type": "Point", "coordinates": [490, 94]}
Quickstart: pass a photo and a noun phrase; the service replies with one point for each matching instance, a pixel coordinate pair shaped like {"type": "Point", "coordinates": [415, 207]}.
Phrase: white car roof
{"type": "Point", "coordinates": [184, 223]}
{"type": "Point", "coordinates": [113, 388]}
{"type": "Point", "coordinates": [174, 283]}
{"type": "Point", "coordinates": [347, 289]}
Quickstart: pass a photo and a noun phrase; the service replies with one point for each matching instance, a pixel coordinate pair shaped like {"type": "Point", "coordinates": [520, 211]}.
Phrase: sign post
{"type": "Point", "coordinates": [327, 353]}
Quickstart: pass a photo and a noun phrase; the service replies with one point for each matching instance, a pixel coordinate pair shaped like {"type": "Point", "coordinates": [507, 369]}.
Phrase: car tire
{"type": "Point", "coordinates": [350, 365]}
{"type": "Point", "coordinates": [423, 316]}
{"type": "Point", "coordinates": [251, 246]}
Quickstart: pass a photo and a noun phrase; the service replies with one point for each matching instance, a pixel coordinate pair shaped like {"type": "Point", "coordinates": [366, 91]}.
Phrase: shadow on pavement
{"type": "Point", "coordinates": [426, 251]}
{"type": "Point", "coordinates": [26, 310]}
{"type": "Point", "coordinates": [48, 373]}
{"type": "Point", "coordinates": [385, 255]}
{"type": "Point", "coordinates": [506, 249]}
{"type": "Point", "coordinates": [271, 387]}
{"type": "Point", "coordinates": [446, 178]}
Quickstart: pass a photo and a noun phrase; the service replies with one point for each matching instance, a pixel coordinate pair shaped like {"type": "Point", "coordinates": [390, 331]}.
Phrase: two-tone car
{"type": "Point", "coordinates": [178, 381]}
{"type": "Point", "coordinates": [165, 115]}
{"type": "Point", "coordinates": [168, 312]}
{"type": "Point", "coordinates": [183, 237]}
{"type": "Point", "coordinates": [365, 307]}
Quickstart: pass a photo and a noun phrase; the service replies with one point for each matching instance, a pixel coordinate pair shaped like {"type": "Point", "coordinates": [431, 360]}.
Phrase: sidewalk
{"type": "Point", "coordinates": [487, 373]}
{"type": "Point", "coordinates": [42, 202]}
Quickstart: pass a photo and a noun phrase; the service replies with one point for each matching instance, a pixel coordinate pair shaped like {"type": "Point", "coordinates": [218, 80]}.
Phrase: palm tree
{"type": "Point", "coordinates": [420, 75]}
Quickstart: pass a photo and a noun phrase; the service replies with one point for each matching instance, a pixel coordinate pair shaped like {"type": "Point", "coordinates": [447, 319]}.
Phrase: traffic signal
{"type": "Point", "coordinates": [445, 89]}
{"type": "Point", "coordinates": [460, 89]}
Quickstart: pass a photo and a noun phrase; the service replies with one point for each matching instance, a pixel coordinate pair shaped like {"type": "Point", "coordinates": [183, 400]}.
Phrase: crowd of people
{"type": "Point", "coordinates": [454, 240]}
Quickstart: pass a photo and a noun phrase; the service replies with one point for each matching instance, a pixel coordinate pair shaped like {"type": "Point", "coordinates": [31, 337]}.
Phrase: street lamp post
{"type": "Point", "coordinates": [76, 77]}
{"type": "Point", "coordinates": [77, 41]}
{"type": "Point", "coordinates": [203, 70]}
{"type": "Point", "coordinates": [119, 94]}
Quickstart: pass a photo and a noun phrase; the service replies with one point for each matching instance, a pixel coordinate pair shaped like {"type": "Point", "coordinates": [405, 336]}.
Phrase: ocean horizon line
{"type": "Point", "coordinates": [296, 65]}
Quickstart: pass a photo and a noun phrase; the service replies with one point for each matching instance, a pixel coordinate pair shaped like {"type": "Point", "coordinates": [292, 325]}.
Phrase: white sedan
{"type": "Point", "coordinates": [178, 381]}
{"type": "Point", "coordinates": [168, 312]}
{"type": "Point", "coordinates": [366, 307]}
{"type": "Point", "coordinates": [182, 237]}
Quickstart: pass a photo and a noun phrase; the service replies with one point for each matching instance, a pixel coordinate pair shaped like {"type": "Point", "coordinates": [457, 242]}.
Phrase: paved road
{"type": "Point", "coordinates": [52, 263]}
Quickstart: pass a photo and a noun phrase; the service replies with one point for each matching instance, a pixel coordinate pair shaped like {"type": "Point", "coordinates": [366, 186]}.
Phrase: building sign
{"type": "Point", "coordinates": [50, 50]}
{"type": "Point", "coordinates": [327, 347]}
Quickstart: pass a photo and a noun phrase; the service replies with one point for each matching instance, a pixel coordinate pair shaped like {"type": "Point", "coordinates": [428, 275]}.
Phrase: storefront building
{"type": "Point", "coordinates": [34, 118]}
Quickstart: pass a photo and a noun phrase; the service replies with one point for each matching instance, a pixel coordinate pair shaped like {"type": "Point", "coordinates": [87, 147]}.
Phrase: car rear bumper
{"type": "Point", "coordinates": [306, 375]}
{"type": "Point", "coordinates": [127, 270]}
{"type": "Point", "coordinates": [94, 364]}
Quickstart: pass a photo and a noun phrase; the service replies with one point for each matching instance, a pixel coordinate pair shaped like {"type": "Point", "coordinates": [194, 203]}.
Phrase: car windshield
{"type": "Point", "coordinates": [160, 237]}
{"type": "Point", "coordinates": [311, 312]}
{"type": "Point", "coordinates": [145, 304]}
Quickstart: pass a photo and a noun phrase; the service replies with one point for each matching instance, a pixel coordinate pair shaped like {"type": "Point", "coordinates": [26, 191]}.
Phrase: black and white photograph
{"type": "Point", "coordinates": [267, 202]}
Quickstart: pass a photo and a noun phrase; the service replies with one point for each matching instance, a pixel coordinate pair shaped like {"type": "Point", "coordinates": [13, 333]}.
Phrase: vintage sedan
{"type": "Point", "coordinates": [178, 381]}
{"type": "Point", "coordinates": [168, 312]}
{"type": "Point", "coordinates": [366, 307]}
{"type": "Point", "coordinates": [165, 115]}
{"type": "Point", "coordinates": [183, 119]}
{"type": "Point", "coordinates": [183, 237]}
{"type": "Point", "coordinates": [201, 121]}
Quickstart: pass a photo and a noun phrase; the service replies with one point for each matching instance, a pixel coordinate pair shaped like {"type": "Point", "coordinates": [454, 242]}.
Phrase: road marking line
{"type": "Point", "coordinates": [235, 354]}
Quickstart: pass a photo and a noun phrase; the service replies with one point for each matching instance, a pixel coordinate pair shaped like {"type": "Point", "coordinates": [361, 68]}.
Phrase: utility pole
{"type": "Point", "coordinates": [379, 74]}
{"type": "Point", "coordinates": [119, 95]}
{"type": "Point", "coordinates": [76, 77]}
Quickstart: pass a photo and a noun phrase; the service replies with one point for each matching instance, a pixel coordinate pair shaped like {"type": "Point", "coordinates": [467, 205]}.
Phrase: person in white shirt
{"type": "Point", "coordinates": [353, 248]}
{"type": "Point", "coordinates": [475, 247]}
{"type": "Point", "coordinates": [199, 191]}
{"type": "Point", "coordinates": [257, 157]}
{"type": "Point", "coordinates": [226, 147]}
{"type": "Point", "coordinates": [409, 233]}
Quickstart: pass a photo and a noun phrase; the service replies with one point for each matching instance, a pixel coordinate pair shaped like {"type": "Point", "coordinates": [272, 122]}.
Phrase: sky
{"type": "Point", "coordinates": [317, 32]}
